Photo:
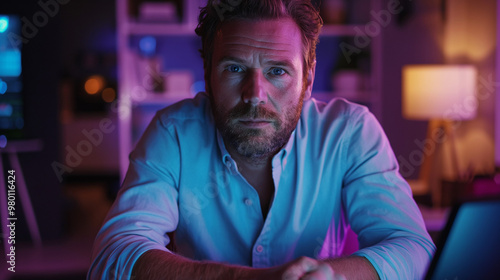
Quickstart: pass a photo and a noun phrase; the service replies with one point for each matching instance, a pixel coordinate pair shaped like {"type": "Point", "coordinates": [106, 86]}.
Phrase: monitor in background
{"type": "Point", "coordinates": [470, 244]}
{"type": "Point", "coordinates": [11, 86]}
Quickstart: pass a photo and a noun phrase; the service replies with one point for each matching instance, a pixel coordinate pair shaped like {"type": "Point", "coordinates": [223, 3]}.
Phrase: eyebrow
{"type": "Point", "coordinates": [285, 63]}
{"type": "Point", "coordinates": [230, 58]}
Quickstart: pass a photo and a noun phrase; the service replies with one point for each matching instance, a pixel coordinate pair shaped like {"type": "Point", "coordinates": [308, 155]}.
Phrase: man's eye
{"type": "Point", "coordinates": [277, 71]}
{"type": "Point", "coordinates": [234, 68]}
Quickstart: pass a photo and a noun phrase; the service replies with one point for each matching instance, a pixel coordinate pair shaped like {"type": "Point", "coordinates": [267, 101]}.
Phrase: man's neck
{"type": "Point", "coordinates": [253, 164]}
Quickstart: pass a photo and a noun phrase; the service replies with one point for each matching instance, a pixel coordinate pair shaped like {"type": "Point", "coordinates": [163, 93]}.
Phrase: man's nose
{"type": "Point", "coordinates": [253, 90]}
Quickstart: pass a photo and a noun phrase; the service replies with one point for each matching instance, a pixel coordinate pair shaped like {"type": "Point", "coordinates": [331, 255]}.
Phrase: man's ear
{"type": "Point", "coordinates": [310, 80]}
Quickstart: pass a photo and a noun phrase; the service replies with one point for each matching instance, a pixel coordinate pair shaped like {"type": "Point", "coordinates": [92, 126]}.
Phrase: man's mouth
{"type": "Point", "coordinates": [255, 123]}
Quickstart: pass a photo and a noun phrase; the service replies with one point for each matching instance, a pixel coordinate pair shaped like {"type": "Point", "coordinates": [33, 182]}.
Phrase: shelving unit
{"type": "Point", "coordinates": [159, 29]}
{"type": "Point", "coordinates": [128, 27]}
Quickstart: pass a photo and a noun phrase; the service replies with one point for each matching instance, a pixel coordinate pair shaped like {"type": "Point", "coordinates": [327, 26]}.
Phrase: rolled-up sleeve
{"type": "Point", "coordinates": [145, 209]}
{"type": "Point", "coordinates": [379, 204]}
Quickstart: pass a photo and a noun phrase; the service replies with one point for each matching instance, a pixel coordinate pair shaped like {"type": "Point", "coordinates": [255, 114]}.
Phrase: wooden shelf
{"type": "Point", "coordinates": [159, 99]}
{"type": "Point", "coordinates": [340, 30]}
{"type": "Point", "coordinates": [169, 29]}
{"type": "Point", "coordinates": [363, 97]}
{"type": "Point", "coordinates": [163, 99]}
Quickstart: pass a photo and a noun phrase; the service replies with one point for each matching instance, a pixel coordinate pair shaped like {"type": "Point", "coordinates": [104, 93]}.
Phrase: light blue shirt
{"type": "Point", "coordinates": [336, 170]}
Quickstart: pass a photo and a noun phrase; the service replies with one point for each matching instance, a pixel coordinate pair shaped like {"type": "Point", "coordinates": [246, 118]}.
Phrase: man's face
{"type": "Point", "coordinates": [257, 84]}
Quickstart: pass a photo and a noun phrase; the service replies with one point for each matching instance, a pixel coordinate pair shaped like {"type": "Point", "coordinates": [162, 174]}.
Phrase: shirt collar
{"type": "Point", "coordinates": [287, 149]}
{"type": "Point", "coordinates": [222, 147]}
{"type": "Point", "coordinates": [282, 155]}
{"type": "Point", "coordinates": [225, 156]}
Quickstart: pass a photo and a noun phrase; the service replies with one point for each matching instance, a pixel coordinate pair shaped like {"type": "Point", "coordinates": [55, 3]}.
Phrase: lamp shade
{"type": "Point", "coordinates": [439, 92]}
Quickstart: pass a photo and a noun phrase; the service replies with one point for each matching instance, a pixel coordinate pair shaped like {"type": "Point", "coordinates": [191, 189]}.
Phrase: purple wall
{"type": "Point", "coordinates": [411, 42]}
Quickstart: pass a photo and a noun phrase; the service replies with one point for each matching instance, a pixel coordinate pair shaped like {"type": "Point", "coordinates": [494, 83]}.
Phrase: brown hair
{"type": "Point", "coordinates": [305, 15]}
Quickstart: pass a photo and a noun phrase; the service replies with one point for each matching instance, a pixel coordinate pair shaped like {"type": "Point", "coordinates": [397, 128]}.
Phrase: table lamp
{"type": "Point", "coordinates": [442, 95]}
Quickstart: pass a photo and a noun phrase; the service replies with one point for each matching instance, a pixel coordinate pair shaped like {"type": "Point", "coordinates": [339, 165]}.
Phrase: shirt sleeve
{"type": "Point", "coordinates": [145, 209]}
{"type": "Point", "coordinates": [379, 204]}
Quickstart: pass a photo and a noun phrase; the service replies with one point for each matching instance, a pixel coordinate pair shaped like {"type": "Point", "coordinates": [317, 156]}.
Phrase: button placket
{"type": "Point", "coordinates": [231, 165]}
{"type": "Point", "coordinates": [248, 202]}
{"type": "Point", "coordinates": [259, 249]}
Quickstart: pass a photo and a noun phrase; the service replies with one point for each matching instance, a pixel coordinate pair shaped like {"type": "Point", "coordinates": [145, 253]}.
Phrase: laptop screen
{"type": "Point", "coordinates": [470, 248]}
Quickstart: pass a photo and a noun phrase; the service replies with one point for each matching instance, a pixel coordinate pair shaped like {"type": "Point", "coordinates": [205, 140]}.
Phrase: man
{"type": "Point", "coordinates": [255, 180]}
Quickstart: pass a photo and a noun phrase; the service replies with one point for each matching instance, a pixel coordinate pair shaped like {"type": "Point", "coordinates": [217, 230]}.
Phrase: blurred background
{"type": "Point", "coordinates": [80, 80]}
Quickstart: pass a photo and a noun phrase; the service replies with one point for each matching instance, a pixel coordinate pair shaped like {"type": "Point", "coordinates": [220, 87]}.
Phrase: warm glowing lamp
{"type": "Point", "coordinates": [440, 94]}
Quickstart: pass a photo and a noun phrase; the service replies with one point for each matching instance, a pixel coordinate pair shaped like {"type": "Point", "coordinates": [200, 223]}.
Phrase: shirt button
{"type": "Point", "coordinates": [248, 201]}
{"type": "Point", "coordinates": [259, 249]}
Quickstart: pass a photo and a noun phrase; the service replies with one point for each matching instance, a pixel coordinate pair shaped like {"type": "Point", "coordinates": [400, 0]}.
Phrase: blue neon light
{"type": "Point", "coordinates": [148, 45]}
{"type": "Point", "coordinates": [3, 86]}
{"type": "Point", "coordinates": [6, 110]}
{"type": "Point", "coordinates": [3, 141]}
{"type": "Point", "coordinates": [4, 23]}
{"type": "Point", "coordinates": [10, 63]}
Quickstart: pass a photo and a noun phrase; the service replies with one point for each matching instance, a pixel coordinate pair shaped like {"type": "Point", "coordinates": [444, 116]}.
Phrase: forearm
{"type": "Point", "coordinates": [354, 267]}
{"type": "Point", "coordinates": [157, 264]}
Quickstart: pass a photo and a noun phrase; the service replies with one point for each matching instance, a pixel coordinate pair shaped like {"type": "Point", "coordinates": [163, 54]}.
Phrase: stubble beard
{"type": "Point", "coordinates": [256, 144]}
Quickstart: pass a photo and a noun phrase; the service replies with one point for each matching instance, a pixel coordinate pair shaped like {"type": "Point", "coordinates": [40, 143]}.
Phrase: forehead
{"type": "Point", "coordinates": [274, 37]}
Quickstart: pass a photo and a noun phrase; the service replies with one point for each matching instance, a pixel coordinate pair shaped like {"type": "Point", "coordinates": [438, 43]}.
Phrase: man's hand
{"type": "Point", "coordinates": [305, 268]}
{"type": "Point", "coordinates": [158, 264]}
